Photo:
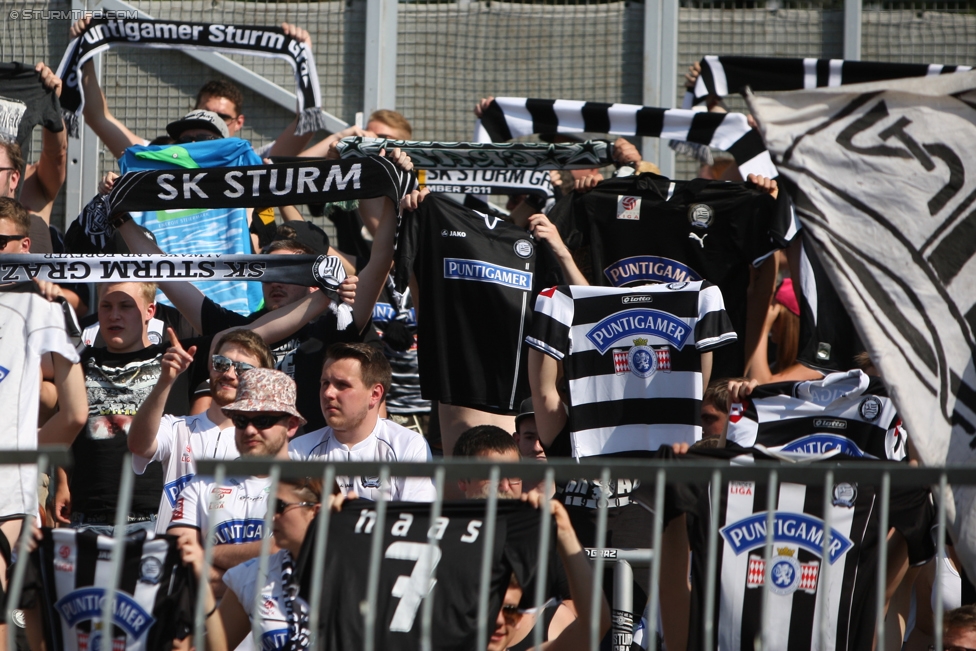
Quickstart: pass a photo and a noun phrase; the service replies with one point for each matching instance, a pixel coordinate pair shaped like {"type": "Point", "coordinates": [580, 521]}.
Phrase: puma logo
{"type": "Point", "coordinates": [700, 238]}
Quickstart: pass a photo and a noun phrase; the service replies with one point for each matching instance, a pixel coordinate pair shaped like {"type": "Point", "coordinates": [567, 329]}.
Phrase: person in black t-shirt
{"type": "Point", "coordinates": [117, 379]}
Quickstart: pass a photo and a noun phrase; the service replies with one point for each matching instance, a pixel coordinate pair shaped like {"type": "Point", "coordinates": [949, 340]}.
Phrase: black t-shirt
{"type": "Point", "coordinates": [478, 278]}
{"type": "Point", "coordinates": [25, 96]}
{"type": "Point", "coordinates": [828, 339]}
{"type": "Point", "coordinates": [797, 556]}
{"type": "Point", "coordinates": [117, 384]}
{"type": "Point", "coordinates": [301, 356]}
{"type": "Point", "coordinates": [648, 229]}
{"type": "Point", "coordinates": [456, 568]}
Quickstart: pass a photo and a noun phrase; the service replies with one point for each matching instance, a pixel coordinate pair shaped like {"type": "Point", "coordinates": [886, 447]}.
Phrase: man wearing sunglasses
{"type": "Point", "coordinates": [177, 441]}
{"type": "Point", "coordinates": [265, 419]}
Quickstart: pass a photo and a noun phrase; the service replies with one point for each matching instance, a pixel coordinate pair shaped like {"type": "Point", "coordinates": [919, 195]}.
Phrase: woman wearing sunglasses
{"type": "Point", "coordinates": [284, 623]}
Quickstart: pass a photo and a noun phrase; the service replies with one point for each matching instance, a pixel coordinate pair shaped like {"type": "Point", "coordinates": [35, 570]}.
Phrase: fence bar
{"type": "Point", "coordinates": [622, 630]}
{"type": "Point", "coordinates": [823, 595]}
{"type": "Point", "coordinates": [882, 559]}
{"type": "Point", "coordinates": [118, 545]}
{"type": "Point", "coordinates": [654, 597]}
{"type": "Point", "coordinates": [852, 30]}
{"type": "Point", "coordinates": [199, 630]}
{"type": "Point", "coordinates": [484, 587]}
{"type": "Point", "coordinates": [940, 553]}
{"type": "Point", "coordinates": [368, 609]}
{"type": "Point", "coordinates": [380, 61]}
{"type": "Point", "coordinates": [598, 564]}
{"type": "Point", "coordinates": [427, 614]}
{"type": "Point", "coordinates": [712, 561]}
{"type": "Point", "coordinates": [772, 501]}
{"type": "Point", "coordinates": [16, 585]}
{"type": "Point", "coordinates": [545, 515]}
{"type": "Point", "coordinates": [318, 555]}
{"type": "Point", "coordinates": [263, 559]}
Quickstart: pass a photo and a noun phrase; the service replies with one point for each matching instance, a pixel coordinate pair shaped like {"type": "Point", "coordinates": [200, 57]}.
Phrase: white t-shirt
{"type": "Point", "coordinates": [180, 441]}
{"type": "Point", "coordinates": [242, 581]}
{"type": "Point", "coordinates": [239, 505]}
{"type": "Point", "coordinates": [387, 442]}
{"type": "Point", "coordinates": [30, 326]}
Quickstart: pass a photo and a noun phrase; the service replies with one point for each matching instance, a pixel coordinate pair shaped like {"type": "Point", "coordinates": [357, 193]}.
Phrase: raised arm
{"type": "Point", "coordinates": [550, 416]}
{"type": "Point", "coordinates": [43, 180]}
{"type": "Point", "coordinates": [543, 230]}
{"type": "Point", "coordinates": [63, 427]}
{"type": "Point", "coordinates": [109, 130]}
{"type": "Point", "coordinates": [145, 424]}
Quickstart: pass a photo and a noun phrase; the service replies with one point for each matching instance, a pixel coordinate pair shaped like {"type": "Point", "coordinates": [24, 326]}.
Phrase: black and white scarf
{"type": "Point", "coordinates": [511, 117]}
{"type": "Point", "coordinates": [295, 182]}
{"type": "Point", "coordinates": [296, 610]}
{"type": "Point", "coordinates": [723, 76]}
{"type": "Point", "coordinates": [106, 33]}
{"type": "Point", "coordinates": [485, 154]}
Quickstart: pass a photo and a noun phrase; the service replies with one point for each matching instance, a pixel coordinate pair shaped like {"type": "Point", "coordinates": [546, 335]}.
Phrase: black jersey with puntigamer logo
{"type": "Point", "coordinates": [632, 358]}
{"type": "Point", "coordinates": [798, 587]}
{"type": "Point", "coordinates": [476, 275]}
{"type": "Point", "coordinates": [411, 569]}
{"type": "Point", "coordinates": [648, 229]}
{"type": "Point", "coordinates": [849, 412]}
{"type": "Point", "coordinates": [153, 607]}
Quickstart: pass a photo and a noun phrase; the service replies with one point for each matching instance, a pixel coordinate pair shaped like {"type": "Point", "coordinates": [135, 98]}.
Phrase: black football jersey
{"type": "Point", "coordinates": [478, 280]}
{"type": "Point", "coordinates": [154, 604]}
{"type": "Point", "coordinates": [411, 570]}
{"type": "Point", "coordinates": [648, 229]}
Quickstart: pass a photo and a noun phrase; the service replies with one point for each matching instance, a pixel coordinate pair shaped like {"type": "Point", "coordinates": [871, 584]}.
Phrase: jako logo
{"type": "Point", "coordinates": [447, 233]}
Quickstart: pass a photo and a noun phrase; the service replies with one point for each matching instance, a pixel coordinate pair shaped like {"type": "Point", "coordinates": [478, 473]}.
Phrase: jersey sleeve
{"type": "Point", "coordinates": [418, 489]}
{"type": "Point", "coordinates": [215, 318]}
{"type": "Point", "coordinates": [165, 442]}
{"type": "Point", "coordinates": [189, 505]}
{"type": "Point", "coordinates": [552, 322]}
{"type": "Point", "coordinates": [239, 578]}
{"type": "Point", "coordinates": [714, 328]}
{"type": "Point", "coordinates": [47, 330]}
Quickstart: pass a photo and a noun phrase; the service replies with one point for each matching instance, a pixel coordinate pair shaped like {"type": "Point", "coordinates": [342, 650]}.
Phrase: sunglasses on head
{"type": "Point", "coordinates": [281, 507]}
{"type": "Point", "coordinates": [264, 421]}
{"type": "Point", "coordinates": [184, 140]}
{"type": "Point", "coordinates": [7, 239]}
{"type": "Point", "coordinates": [221, 364]}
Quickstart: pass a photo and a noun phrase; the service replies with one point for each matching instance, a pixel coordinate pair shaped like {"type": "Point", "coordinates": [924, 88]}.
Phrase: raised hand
{"type": "Point", "coordinates": [176, 360]}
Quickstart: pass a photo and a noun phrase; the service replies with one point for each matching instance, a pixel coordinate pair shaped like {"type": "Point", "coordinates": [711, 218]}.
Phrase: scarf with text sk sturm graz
{"type": "Point", "coordinates": [104, 33]}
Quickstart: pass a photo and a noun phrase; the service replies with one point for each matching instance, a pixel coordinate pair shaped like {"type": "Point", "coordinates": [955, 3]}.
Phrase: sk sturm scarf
{"type": "Point", "coordinates": [105, 33]}
{"type": "Point", "coordinates": [511, 117]}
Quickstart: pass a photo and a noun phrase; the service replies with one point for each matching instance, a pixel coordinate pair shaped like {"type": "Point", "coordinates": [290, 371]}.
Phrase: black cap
{"type": "Point", "coordinates": [525, 410]}
{"type": "Point", "coordinates": [308, 234]}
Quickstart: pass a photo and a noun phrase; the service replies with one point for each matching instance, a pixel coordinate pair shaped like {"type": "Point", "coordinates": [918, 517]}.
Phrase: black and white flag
{"type": "Point", "coordinates": [105, 33]}
{"type": "Point", "coordinates": [510, 117]}
{"type": "Point", "coordinates": [884, 181]}
{"type": "Point", "coordinates": [723, 76]}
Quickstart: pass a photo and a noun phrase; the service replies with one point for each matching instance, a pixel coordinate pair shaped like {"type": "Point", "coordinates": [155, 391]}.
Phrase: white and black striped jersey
{"type": "Point", "coordinates": [798, 588]}
{"type": "Point", "coordinates": [154, 603]}
{"type": "Point", "coordinates": [648, 229]}
{"type": "Point", "coordinates": [412, 569]}
{"type": "Point", "coordinates": [477, 277]}
{"type": "Point", "coordinates": [632, 359]}
{"type": "Point", "coordinates": [850, 412]}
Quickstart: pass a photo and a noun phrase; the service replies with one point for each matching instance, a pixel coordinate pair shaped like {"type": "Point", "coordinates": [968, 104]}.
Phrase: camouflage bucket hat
{"type": "Point", "coordinates": [264, 389]}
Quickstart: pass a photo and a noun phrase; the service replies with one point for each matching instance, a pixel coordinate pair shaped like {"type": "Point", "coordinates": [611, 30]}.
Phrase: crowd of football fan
{"type": "Point", "coordinates": [299, 380]}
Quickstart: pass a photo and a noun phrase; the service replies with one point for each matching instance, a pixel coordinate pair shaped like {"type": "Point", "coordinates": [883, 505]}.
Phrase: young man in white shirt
{"type": "Point", "coordinates": [178, 441]}
{"type": "Point", "coordinates": [355, 379]}
{"type": "Point", "coordinates": [265, 418]}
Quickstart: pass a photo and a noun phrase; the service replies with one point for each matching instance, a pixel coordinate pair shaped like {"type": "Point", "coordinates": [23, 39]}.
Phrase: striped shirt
{"type": "Point", "coordinates": [632, 358]}
{"type": "Point", "coordinates": [849, 412]}
{"type": "Point", "coordinates": [153, 606]}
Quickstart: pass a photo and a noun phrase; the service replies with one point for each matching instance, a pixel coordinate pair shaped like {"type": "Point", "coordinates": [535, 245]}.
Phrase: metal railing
{"type": "Point", "coordinates": [659, 473]}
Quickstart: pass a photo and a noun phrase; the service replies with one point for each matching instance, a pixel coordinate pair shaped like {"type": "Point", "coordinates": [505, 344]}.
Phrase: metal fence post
{"type": "Point", "coordinates": [380, 61]}
{"type": "Point", "coordinates": [852, 30]}
{"type": "Point", "coordinates": [660, 72]}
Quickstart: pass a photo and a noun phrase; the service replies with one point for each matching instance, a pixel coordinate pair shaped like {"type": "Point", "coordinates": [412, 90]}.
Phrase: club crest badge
{"type": "Point", "coordinates": [524, 248]}
{"type": "Point", "coordinates": [369, 482]}
{"type": "Point", "coordinates": [870, 408]}
{"type": "Point", "coordinates": [700, 215]}
{"type": "Point", "coordinates": [642, 359]}
{"type": "Point", "coordinates": [845, 495]}
{"type": "Point", "coordinates": [787, 574]}
{"type": "Point", "coordinates": [150, 570]}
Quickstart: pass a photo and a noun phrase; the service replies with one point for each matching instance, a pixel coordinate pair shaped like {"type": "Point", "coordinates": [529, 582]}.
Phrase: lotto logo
{"type": "Point", "coordinates": [628, 207]}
